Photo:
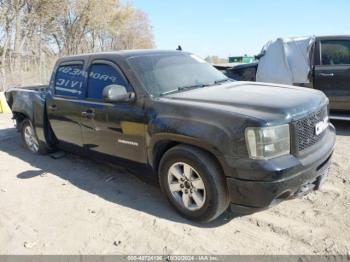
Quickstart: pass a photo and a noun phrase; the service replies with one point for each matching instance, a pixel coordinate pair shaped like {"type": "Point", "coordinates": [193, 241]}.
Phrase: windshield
{"type": "Point", "coordinates": [163, 74]}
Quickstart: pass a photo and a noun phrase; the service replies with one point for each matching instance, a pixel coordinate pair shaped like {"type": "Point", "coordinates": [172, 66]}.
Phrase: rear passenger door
{"type": "Point", "coordinates": [332, 73]}
{"type": "Point", "coordinates": [63, 107]}
{"type": "Point", "coordinates": [115, 129]}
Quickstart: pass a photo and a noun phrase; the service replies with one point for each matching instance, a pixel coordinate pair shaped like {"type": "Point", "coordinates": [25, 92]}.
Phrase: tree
{"type": "Point", "coordinates": [34, 32]}
{"type": "Point", "coordinates": [97, 25]}
{"type": "Point", "coordinates": [216, 60]}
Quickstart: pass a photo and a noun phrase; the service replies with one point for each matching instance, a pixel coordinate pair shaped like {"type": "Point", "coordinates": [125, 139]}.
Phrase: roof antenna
{"type": "Point", "coordinates": [179, 48]}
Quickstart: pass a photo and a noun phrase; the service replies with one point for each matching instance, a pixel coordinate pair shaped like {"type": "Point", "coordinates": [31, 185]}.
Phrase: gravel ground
{"type": "Point", "coordinates": [76, 206]}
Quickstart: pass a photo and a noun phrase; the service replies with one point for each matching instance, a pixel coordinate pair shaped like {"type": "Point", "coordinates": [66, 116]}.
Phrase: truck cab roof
{"type": "Point", "coordinates": [120, 54]}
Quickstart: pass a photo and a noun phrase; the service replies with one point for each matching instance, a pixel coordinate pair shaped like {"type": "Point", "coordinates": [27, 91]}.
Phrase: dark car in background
{"type": "Point", "coordinates": [329, 59]}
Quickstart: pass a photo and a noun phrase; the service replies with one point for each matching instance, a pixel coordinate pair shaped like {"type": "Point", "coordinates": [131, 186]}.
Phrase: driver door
{"type": "Point", "coordinates": [332, 75]}
{"type": "Point", "coordinates": [115, 129]}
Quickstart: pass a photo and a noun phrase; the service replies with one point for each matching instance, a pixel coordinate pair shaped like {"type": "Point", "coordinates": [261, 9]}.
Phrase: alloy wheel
{"type": "Point", "coordinates": [186, 186]}
{"type": "Point", "coordinates": [30, 139]}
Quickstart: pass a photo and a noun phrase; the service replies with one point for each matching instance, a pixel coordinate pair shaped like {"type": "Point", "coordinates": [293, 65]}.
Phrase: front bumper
{"type": "Point", "coordinates": [255, 185]}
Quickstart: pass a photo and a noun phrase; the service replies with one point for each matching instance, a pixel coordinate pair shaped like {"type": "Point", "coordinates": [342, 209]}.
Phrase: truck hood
{"type": "Point", "coordinates": [269, 102]}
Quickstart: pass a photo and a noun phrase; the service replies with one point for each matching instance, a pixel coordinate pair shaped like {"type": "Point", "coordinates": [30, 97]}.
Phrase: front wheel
{"type": "Point", "coordinates": [193, 183]}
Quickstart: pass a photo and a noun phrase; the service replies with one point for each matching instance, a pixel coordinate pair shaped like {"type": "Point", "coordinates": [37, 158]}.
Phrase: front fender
{"type": "Point", "coordinates": [203, 131]}
{"type": "Point", "coordinates": [203, 134]}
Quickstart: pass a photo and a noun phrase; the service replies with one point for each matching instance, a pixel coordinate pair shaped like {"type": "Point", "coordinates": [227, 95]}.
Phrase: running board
{"type": "Point", "coordinates": [335, 116]}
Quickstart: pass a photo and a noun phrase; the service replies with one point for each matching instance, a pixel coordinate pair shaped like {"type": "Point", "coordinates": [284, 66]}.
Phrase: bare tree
{"type": "Point", "coordinates": [33, 33]}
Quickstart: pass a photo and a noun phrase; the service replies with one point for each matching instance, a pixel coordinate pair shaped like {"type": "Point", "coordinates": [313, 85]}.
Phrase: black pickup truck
{"type": "Point", "coordinates": [212, 142]}
{"type": "Point", "coordinates": [329, 58]}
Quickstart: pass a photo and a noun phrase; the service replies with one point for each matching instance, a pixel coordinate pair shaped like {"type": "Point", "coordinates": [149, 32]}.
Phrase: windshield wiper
{"type": "Point", "coordinates": [182, 88]}
{"type": "Point", "coordinates": [222, 81]}
{"type": "Point", "coordinates": [195, 86]}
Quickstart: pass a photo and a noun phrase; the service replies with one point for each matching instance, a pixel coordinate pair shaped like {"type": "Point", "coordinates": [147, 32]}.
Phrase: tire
{"type": "Point", "coordinates": [189, 168]}
{"type": "Point", "coordinates": [30, 140]}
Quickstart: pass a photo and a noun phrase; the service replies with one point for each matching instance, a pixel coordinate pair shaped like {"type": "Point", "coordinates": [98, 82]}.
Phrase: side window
{"type": "Point", "coordinates": [69, 80]}
{"type": "Point", "coordinates": [335, 52]}
{"type": "Point", "coordinates": [100, 76]}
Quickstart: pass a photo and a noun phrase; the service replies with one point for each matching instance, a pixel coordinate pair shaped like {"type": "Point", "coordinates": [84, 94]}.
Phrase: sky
{"type": "Point", "coordinates": [237, 27]}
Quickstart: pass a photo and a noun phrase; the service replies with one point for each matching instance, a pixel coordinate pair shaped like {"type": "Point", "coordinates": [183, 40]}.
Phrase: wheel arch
{"type": "Point", "coordinates": [165, 142]}
{"type": "Point", "coordinates": [19, 117]}
{"type": "Point", "coordinates": [41, 126]}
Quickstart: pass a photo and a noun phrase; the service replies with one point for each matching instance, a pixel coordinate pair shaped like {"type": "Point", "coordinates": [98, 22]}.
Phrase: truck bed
{"type": "Point", "coordinates": [18, 97]}
{"type": "Point", "coordinates": [39, 88]}
{"type": "Point", "coordinates": [29, 102]}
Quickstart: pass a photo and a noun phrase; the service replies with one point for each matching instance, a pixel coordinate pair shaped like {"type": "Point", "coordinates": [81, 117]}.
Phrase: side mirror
{"type": "Point", "coordinates": [117, 93]}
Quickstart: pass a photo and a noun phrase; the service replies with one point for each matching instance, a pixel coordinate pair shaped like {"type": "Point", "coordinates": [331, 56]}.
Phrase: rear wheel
{"type": "Point", "coordinates": [30, 140]}
{"type": "Point", "coordinates": [193, 183]}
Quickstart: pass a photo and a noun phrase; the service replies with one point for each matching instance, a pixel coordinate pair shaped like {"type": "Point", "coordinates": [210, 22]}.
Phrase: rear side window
{"type": "Point", "coordinates": [100, 76]}
{"type": "Point", "coordinates": [335, 52]}
{"type": "Point", "coordinates": [69, 80]}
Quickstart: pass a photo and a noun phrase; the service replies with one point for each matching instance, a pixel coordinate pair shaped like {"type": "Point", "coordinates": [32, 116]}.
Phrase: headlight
{"type": "Point", "coordinates": [268, 142]}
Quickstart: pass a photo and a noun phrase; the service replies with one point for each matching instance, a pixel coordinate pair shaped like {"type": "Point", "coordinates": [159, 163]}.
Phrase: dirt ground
{"type": "Point", "coordinates": [76, 206]}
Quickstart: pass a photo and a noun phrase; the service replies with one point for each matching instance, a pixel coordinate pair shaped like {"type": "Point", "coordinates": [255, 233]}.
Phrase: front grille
{"type": "Point", "coordinates": [305, 129]}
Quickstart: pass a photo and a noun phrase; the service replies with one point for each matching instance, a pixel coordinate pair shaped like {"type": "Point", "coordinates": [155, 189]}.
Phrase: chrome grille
{"type": "Point", "coordinates": [305, 129]}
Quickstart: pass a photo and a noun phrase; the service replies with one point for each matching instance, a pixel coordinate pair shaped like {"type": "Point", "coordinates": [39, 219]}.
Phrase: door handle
{"type": "Point", "coordinates": [53, 108]}
{"type": "Point", "coordinates": [88, 113]}
{"type": "Point", "coordinates": [327, 74]}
